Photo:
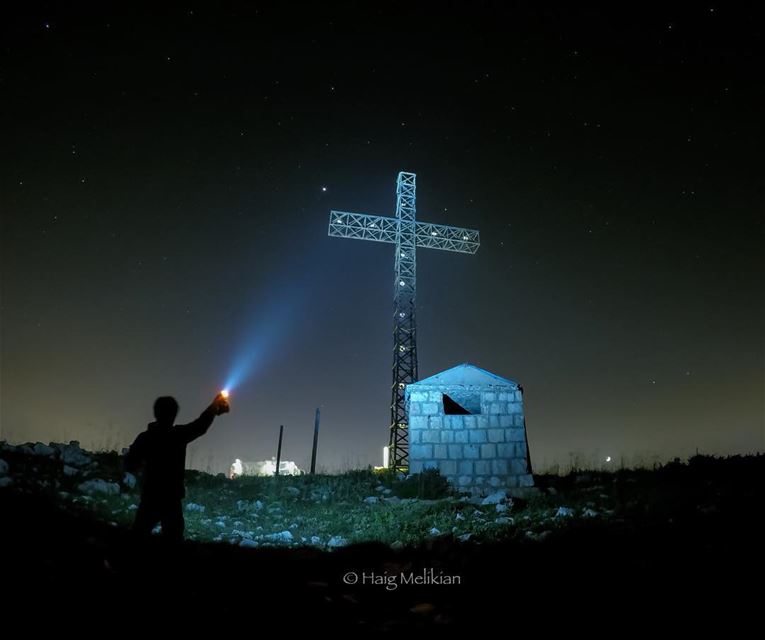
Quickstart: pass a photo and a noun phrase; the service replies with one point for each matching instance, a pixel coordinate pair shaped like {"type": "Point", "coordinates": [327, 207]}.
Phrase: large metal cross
{"type": "Point", "coordinates": [407, 234]}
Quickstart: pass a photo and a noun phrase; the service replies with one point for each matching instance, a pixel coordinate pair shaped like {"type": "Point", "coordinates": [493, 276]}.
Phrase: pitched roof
{"type": "Point", "coordinates": [465, 375]}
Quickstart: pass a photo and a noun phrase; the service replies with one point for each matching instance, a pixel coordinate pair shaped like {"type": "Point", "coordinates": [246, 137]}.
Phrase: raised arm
{"type": "Point", "coordinates": [199, 427]}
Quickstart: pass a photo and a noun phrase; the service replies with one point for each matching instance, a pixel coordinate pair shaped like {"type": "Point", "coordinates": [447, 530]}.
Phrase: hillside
{"type": "Point", "coordinates": [291, 541]}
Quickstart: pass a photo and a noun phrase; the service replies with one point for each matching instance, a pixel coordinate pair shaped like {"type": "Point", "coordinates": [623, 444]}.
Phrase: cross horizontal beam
{"type": "Point", "coordinates": [362, 226]}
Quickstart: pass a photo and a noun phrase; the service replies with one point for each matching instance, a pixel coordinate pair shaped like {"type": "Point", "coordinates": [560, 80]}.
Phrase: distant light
{"type": "Point", "coordinates": [402, 314]}
{"type": "Point", "coordinates": [608, 458]}
{"type": "Point", "coordinates": [224, 393]}
{"type": "Point", "coordinates": [464, 237]}
{"type": "Point", "coordinates": [401, 283]}
{"type": "Point", "coordinates": [434, 233]}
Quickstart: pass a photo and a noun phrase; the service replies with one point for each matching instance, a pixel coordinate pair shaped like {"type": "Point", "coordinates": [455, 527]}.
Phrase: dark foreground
{"type": "Point", "coordinates": [691, 551]}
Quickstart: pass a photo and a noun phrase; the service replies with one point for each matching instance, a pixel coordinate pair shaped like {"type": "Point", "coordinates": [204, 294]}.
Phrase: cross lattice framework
{"type": "Point", "coordinates": [407, 234]}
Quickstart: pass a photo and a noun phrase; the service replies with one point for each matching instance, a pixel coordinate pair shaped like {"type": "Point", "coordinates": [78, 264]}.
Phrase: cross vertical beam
{"type": "Point", "coordinates": [404, 324]}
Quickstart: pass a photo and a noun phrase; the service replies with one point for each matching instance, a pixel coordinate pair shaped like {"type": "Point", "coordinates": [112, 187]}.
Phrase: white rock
{"type": "Point", "coordinates": [380, 488]}
{"type": "Point", "coordinates": [564, 512]}
{"type": "Point", "coordinates": [242, 534]}
{"type": "Point", "coordinates": [465, 537]}
{"type": "Point", "coordinates": [589, 513]}
{"type": "Point", "coordinates": [258, 505]}
{"type": "Point", "coordinates": [222, 525]}
{"type": "Point", "coordinates": [337, 541]}
{"type": "Point", "coordinates": [5, 481]}
{"type": "Point", "coordinates": [70, 471]}
{"type": "Point", "coordinates": [40, 449]}
{"type": "Point", "coordinates": [3, 467]}
{"type": "Point", "coordinates": [72, 454]}
{"type": "Point", "coordinates": [459, 516]}
{"type": "Point", "coordinates": [372, 500]}
{"type": "Point", "coordinates": [193, 506]}
{"type": "Point", "coordinates": [435, 532]}
{"type": "Point", "coordinates": [315, 540]}
{"type": "Point", "coordinates": [248, 544]}
{"type": "Point", "coordinates": [99, 486]}
{"type": "Point", "coordinates": [284, 536]}
{"type": "Point", "coordinates": [293, 491]}
{"type": "Point", "coordinates": [392, 500]}
{"type": "Point", "coordinates": [501, 508]}
{"type": "Point", "coordinates": [504, 520]}
{"type": "Point", "coordinates": [129, 480]}
{"type": "Point", "coordinates": [132, 507]}
{"type": "Point", "coordinates": [494, 498]}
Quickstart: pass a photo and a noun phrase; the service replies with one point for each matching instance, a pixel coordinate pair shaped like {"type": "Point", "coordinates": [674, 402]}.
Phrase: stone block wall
{"type": "Point", "coordinates": [477, 453]}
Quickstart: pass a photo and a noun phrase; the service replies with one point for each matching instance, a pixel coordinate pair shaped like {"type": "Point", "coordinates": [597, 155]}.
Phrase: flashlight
{"type": "Point", "coordinates": [224, 393]}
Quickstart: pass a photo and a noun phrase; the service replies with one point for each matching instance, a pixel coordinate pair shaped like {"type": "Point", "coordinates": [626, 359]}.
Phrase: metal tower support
{"type": "Point", "coordinates": [407, 234]}
{"type": "Point", "coordinates": [404, 324]}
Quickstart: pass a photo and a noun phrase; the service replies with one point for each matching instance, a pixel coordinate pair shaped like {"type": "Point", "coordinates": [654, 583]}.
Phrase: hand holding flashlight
{"type": "Point", "coordinates": [221, 403]}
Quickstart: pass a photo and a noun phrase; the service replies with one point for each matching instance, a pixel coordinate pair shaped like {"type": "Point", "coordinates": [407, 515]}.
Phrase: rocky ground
{"type": "Point", "coordinates": [377, 552]}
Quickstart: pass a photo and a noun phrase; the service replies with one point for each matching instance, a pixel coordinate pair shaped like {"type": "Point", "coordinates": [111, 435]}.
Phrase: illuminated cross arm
{"type": "Point", "coordinates": [362, 226]}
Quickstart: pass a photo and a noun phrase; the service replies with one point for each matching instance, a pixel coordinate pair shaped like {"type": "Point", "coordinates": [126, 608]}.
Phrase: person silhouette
{"type": "Point", "coordinates": [160, 452]}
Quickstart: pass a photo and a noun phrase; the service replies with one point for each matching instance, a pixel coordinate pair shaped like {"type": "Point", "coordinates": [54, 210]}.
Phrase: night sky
{"type": "Point", "coordinates": [167, 178]}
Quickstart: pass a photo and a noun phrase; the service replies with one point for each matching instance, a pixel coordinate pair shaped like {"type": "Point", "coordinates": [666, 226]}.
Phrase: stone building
{"type": "Point", "coordinates": [469, 424]}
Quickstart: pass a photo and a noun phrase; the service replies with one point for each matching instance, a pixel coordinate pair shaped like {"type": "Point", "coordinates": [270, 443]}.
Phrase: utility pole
{"type": "Point", "coordinates": [279, 450]}
{"type": "Point", "coordinates": [315, 440]}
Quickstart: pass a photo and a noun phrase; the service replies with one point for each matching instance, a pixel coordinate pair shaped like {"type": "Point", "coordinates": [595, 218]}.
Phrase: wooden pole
{"type": "Point", "coordinates": [279, 450]}
{"type": "Point", "coordinates": [315, 440]}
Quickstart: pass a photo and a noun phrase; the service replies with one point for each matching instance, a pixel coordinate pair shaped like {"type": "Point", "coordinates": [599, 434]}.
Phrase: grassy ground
{"type": "Point", "coordinates": [633, 540]}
